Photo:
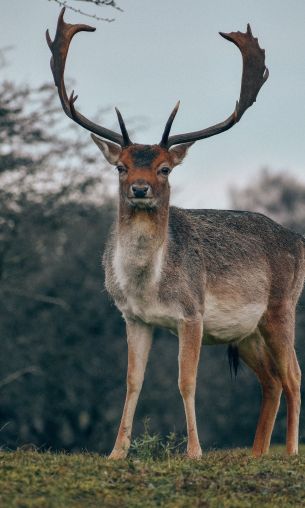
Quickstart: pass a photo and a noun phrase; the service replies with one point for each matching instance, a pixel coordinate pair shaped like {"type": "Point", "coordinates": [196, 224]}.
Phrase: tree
{"type": "Point", "coordinates": [50, 184]}
{"type": "Point", "coordinates": [277, 195]}
{"type": "Point", "coordinates": [34, 159]}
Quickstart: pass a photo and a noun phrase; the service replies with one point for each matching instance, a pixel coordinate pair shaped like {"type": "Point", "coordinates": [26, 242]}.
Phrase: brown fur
{"type": "Point", "coordinates": [146, 157]}
{"type": "Point", "coordinates": [211, 276]}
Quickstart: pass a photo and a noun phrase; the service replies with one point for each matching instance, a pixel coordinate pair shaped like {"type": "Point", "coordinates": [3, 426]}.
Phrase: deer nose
{"type": "Point", "coordinates": [139, 191]}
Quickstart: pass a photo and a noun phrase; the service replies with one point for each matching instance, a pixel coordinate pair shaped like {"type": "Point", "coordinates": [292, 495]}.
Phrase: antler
{"type": "Point", "coordinates": [254, 75]}
{"type": "Point", "coordinates": [59, 49]}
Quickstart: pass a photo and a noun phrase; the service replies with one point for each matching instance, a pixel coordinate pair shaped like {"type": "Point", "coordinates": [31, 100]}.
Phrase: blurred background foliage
{"type": "Point", "coordinates": [63, 350]}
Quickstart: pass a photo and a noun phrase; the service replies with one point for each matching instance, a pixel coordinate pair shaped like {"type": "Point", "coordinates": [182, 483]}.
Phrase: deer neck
{"type": "Point", "coordinates": [140, 246]}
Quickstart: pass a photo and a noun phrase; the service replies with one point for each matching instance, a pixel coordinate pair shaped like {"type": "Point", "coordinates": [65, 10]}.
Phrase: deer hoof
{"type": "Point", "coordinates": [194, 453]}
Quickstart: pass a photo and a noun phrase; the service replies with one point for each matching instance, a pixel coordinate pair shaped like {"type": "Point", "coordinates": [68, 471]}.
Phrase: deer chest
{"type": "Point", "coordinates": [137, 281]}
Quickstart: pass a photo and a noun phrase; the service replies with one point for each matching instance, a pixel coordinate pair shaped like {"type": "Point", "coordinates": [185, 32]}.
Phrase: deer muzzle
{"type": "Point", "coordinates": [140, 195]}
{"type": "Point", "coordinates": [140, 191]}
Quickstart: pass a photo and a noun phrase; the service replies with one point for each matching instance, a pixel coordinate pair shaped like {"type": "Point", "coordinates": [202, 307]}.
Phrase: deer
{"type": "Point", "coordinates": [209, 276]}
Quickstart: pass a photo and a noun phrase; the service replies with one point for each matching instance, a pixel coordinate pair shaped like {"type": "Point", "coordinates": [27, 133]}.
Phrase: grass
{"type": "Point", "coordinates": [230, 478]}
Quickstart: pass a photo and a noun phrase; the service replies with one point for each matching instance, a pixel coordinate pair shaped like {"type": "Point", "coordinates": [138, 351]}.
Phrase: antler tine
{"type": "Point", "coordinates": [254, 75]}
{"type": "Point", "coordinates": [59, 49]}
{"type": "Point", "coordinates": [124, 132]}
{"type": "Point", "coordinates": [168, 125]}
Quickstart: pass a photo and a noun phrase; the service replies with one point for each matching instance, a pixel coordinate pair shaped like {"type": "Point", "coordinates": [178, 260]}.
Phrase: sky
{"type": "Point", "coordinates": [157, 52]}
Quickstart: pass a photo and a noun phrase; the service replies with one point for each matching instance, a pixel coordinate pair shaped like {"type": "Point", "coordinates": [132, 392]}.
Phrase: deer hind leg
{"type": "Point", "coordinates": [190, 337]}
{"type": "Point", "coordinates": [278, 331]}
{"type": "Point", "coordinates": [139, 338]}
{"type": "Point", "coordinates": [255, 354]}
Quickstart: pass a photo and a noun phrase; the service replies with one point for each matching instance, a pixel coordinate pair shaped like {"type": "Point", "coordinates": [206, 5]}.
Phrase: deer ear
{"type": "Point", "coordinates": [178, 152]}
{"type": "Point", "coordinates": [111, 151]}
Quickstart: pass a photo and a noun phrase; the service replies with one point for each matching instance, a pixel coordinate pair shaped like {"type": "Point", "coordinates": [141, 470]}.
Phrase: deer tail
{"type": "Point", "coordinates": [233, 357]}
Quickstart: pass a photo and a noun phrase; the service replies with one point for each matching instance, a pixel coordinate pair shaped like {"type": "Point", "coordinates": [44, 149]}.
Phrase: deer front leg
{"type": "Point", "coordinates": [139, 337]}
{"type": "Point", "coordinates": [190, 338]}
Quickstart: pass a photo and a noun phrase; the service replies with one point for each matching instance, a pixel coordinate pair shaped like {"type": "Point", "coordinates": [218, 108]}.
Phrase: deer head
{"type": "Point", "coordinates": [144, 169]}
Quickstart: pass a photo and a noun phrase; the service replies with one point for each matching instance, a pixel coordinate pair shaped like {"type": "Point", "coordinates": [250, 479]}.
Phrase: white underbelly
{"type": "Point", "coordinates": [152, 312]}
{"type": "Point", "coordinates": [227, 320]}
{"type": "Point", "coordinates": [223, 320]}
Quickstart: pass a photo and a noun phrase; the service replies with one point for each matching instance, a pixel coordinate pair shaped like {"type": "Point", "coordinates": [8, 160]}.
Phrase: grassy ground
{"type": "Point", "coordinates": [230, 478]}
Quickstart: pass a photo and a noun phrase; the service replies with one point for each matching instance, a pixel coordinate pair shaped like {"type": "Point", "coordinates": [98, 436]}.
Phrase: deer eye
{"type": "Point", "coordinates": [121, 169]}
{"type": "Point", "coordinates": [165, 171]}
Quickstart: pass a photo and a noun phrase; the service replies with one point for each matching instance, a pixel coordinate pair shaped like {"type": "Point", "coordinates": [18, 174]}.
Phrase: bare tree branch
{"type": "Point", "coordinates": [98, 3]}
{"type": "Point", "coordinates": [102, 3]}
{"type": "Point", "coordinates": [38, 297]}
{"type": "Point", "coordinates": [17, 374]}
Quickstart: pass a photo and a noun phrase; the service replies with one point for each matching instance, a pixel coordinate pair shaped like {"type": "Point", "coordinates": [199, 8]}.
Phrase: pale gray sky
{"type": "Point", "coordinates": [157, 52]}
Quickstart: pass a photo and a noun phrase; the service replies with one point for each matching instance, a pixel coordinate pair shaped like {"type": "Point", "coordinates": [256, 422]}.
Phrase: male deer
{"type": "Point", "coordinates": [211, 276]}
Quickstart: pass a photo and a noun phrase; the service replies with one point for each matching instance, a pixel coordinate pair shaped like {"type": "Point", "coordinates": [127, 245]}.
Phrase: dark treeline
{"type": "Point", "coordinates": [63, 350]}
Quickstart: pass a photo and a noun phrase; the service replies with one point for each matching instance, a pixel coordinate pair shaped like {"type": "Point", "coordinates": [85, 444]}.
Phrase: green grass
{"type": "Point", "coordinates": [230, 478]}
